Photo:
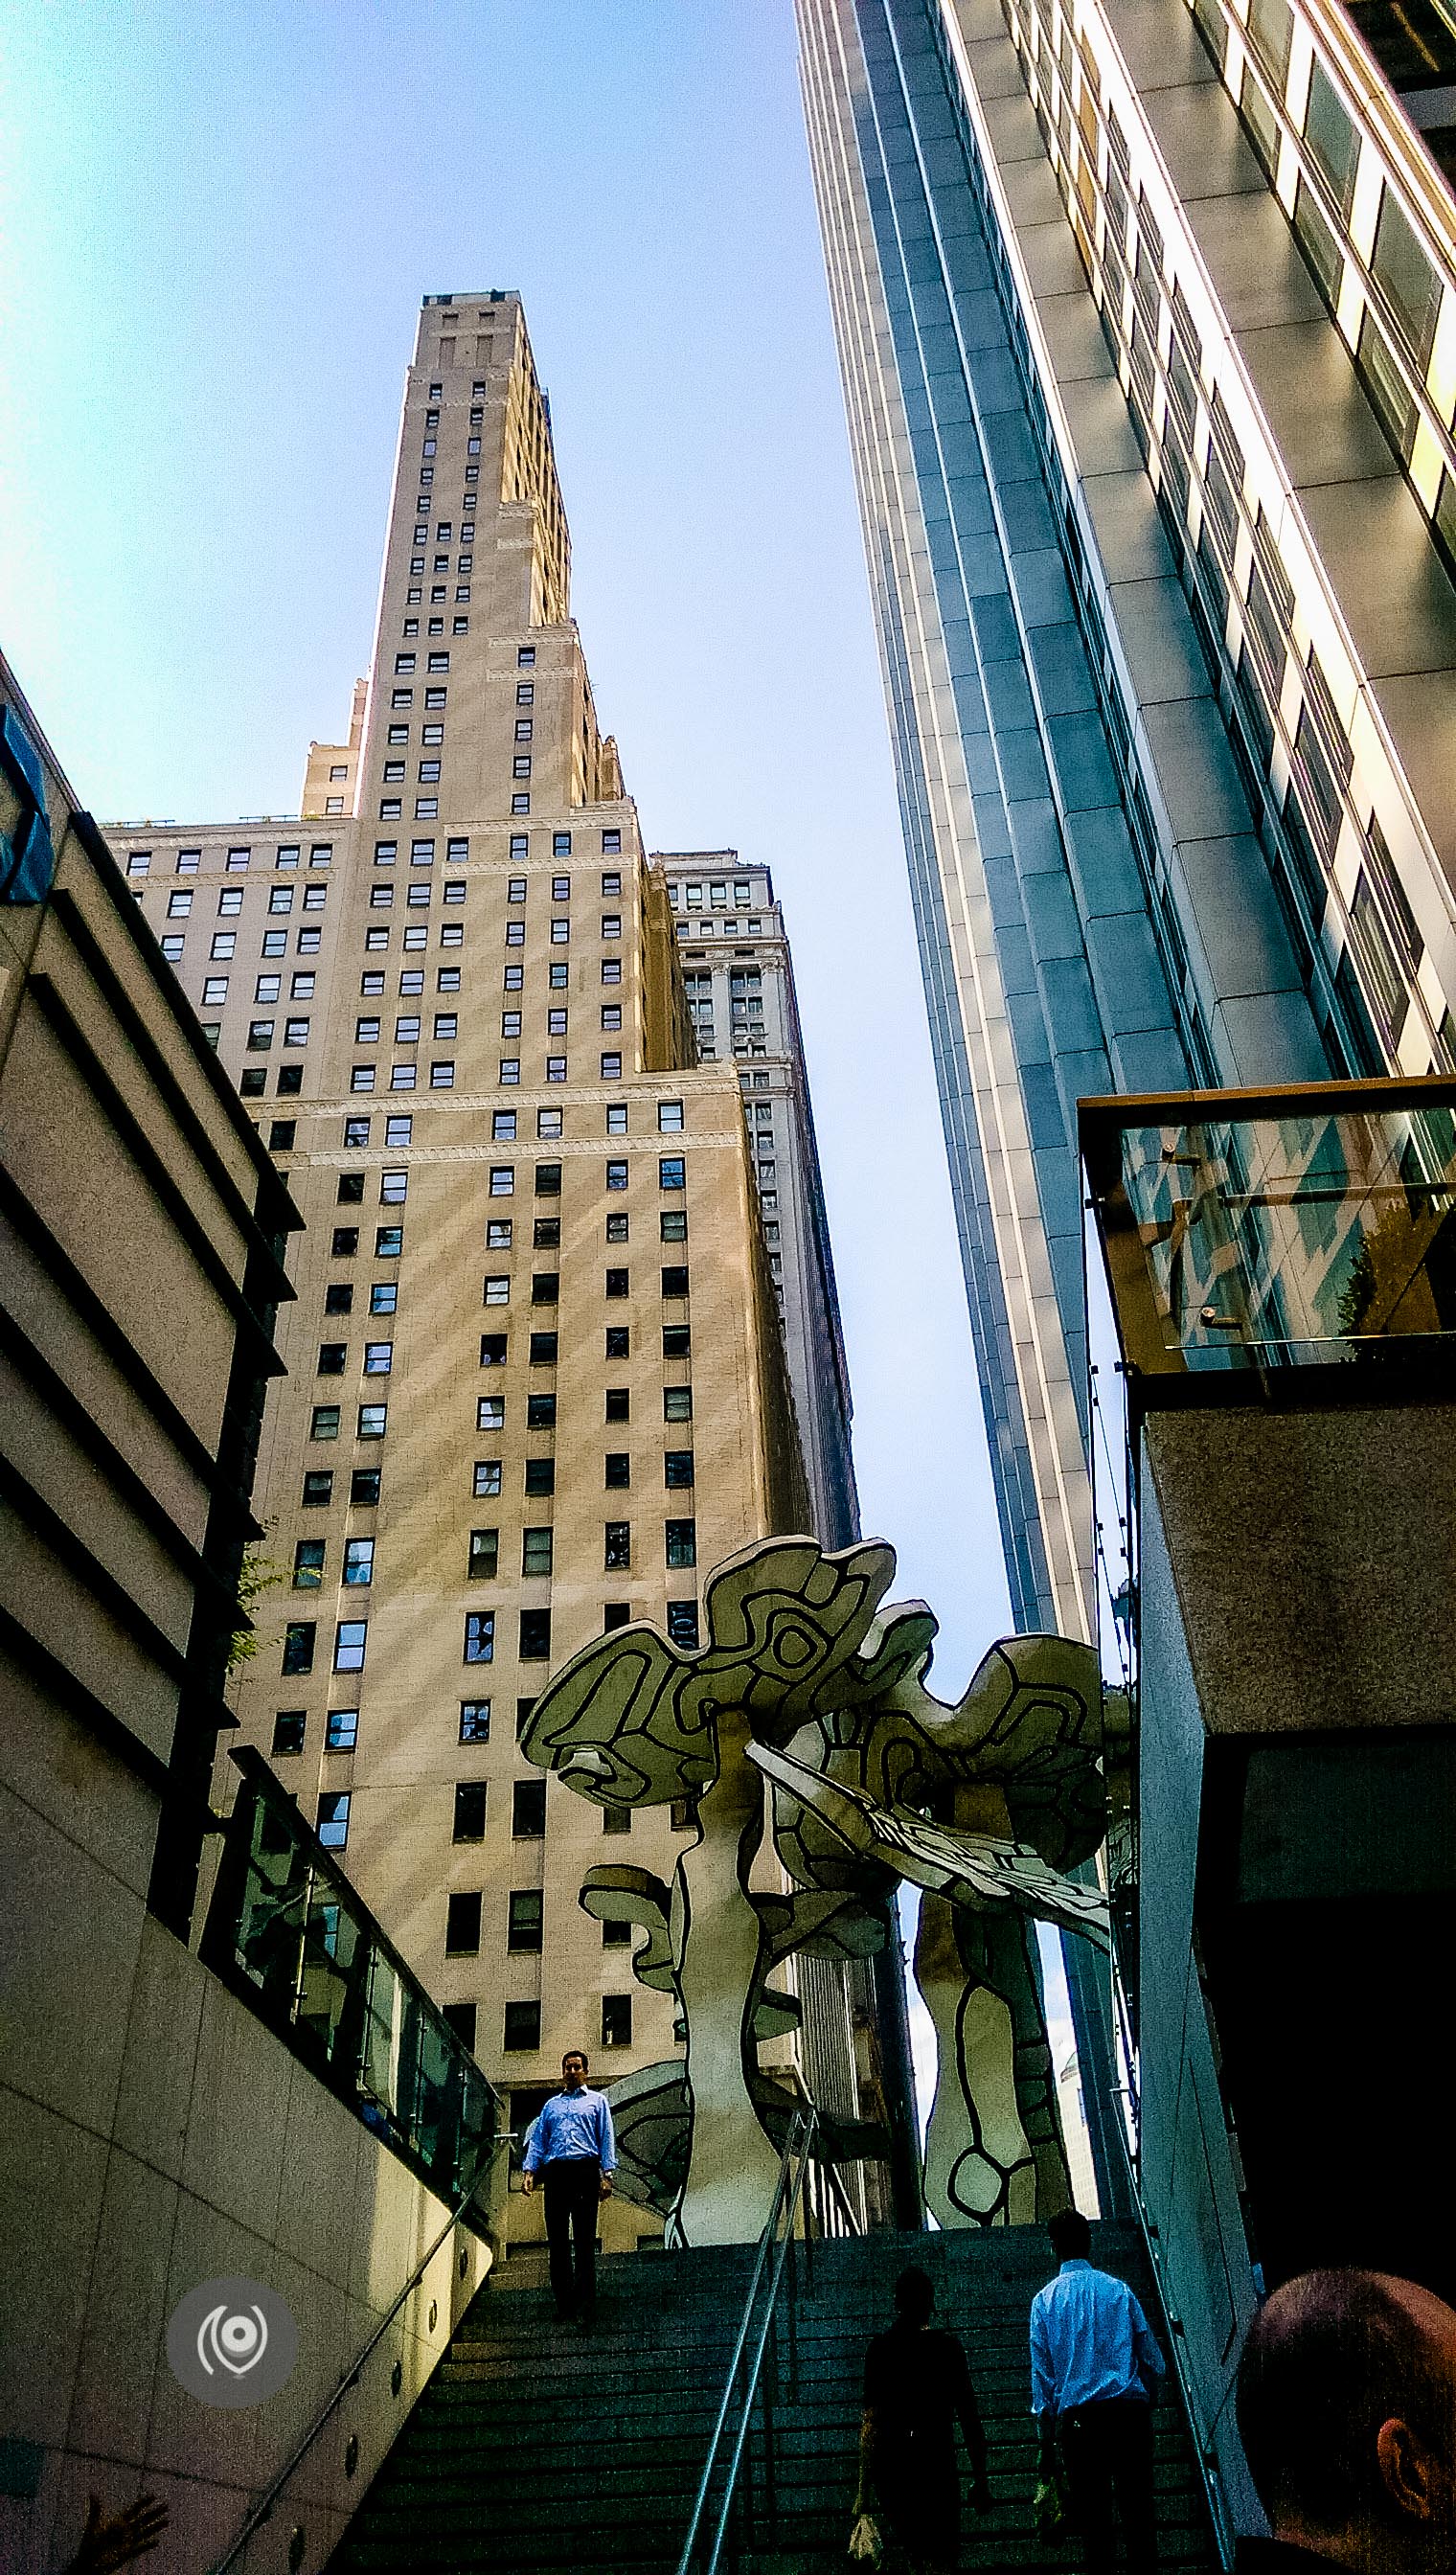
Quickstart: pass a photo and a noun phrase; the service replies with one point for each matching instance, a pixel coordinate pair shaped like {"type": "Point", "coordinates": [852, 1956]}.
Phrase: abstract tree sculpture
{"type": "Point", "coordinates": [801, 1733]}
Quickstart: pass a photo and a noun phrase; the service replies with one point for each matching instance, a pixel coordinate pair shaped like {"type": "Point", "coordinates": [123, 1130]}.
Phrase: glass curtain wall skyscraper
{"type": "Point", "coordinates": [1146, 318]}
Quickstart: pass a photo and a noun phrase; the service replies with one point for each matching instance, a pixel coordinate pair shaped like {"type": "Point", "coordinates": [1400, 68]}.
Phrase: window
{"type": "Point", "coordinates": [214, 991]}
{"type": "Point", "coordinates": [682, 1536]}
{"type": "Point", "coordinates": [617, 1176]}
{"type": "Point", "coordinates": [479, 1635]}
{"type": "Point", "coordinates": [371, 1422]}
{"type": "Point", "coordinates": [619, 1341]}
{"type": "Point", "coordinates": [612, 924]}
{"type": "Point", "coordinates": [610, 1068]}
{"type": "Point", "coordinates": [179, 906]}
{"type": "Point", "coordinates": [308, 1565]}
{"type": "Point", "coordinates": [351, 1637]}
{"type": "Point", "coordinates": [387, 1241]}
{"type": "Point", "coordinates": [617, 2020]}
{"type": "Point", "coordinates": [377, 1358]}
{"type": "Point", "coordinates": [287, 1730]}
{"type": "Point", "coordinates": [493, 1350]}
{"type": "Point", "coordinates": [483, 1556]}
{"type": "Point", "coordinates": [351, 1189]}
{"type": "Point", "coordinates": [683, 1622]}
{"type": "Point", "coordinates": [555, 1067]}
{"type": "Point", "coordinates": [618, 1404]}
{"type": "Point", "coordinates": [618, 1283]}
{"type": "Point", "coordinates": [545, 1288]}
{"type": "Point", "coordinates": [672, 1225]}
{"type": "Point", "coordinates": [617, 1553]}
{"type": "Point", "coordinates": [474, 1721]}
{"type": "Point", "coordinates": [230, 902]}
{"type": "Point", "coordinates": [332, 1356]}
{"type": "Point", "coordinates": [535, 1550]}
{"type": "Point", "coordinates": [612, 970]}
{"type": "Point", "coordinates": [540, 1412]}
{"type": "Point", "coordinates": [224, 944]}
{"type": "Point", "coordinates": [298, 1645]}
{"type": "Point", "coordinates": [678, 1404]}
{"type": "Point", "coordinates": [359, 1561]}
{"type": "Point", "coordinates": [525, 1919]}
{"type": "Point", "coordinates": [281, 1134]}
{"type": "Point", "coordinates": [294, 1033]}
{"type": "Point", "coordinates": [675, 1282]}
{"type": "Point", "coordinates": [527, 1809]}
{"type": "Point", "coordinates": [461, 2018]}
{"type": "Point", "coordinates": [548, 1180]}
{"type": "Point", "coordinates": [470, 1811]}
{"type": "Point", "coordinates": [534, 1645]}
{"type": "Point", "coordinates": [672, 1172]}
{"type": "Point", "coordinates": [522, 2026]}
{"type": "Point", "coordinates": [337, 1297]}
{"type": "Point", "coordinates": [497, 1291]}
{"type": "Point", "coordinates": [503, 1180]}
{"type": "Point", "coordinates": [325, 1423]}
{"type": "Point", "coordinates": [333, 1822]}
{"type": "Point", "coordinates": [1406, 279]}
{"type": "Point", "coordinates": [610, 1015]}
{"type": "Point", "coordinates": [462, 1927]}
{"type": "Point", "coordinates": [364, 1488]}
{"type": "Point", "coordinates": [442, 1075]}
{"type": "Point", "coordinates": [539, 1476]}
{"type": "Point", "coordinates": [317, 1489]}
{"type": "Point", "coordinates": [394, 1188]}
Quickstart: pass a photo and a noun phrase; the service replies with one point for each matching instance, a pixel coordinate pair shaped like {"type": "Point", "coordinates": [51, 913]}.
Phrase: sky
{"type": "Point", "coordinates": [216, 223]}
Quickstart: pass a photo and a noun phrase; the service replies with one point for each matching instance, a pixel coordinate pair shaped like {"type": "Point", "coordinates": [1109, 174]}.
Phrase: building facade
{"type": "Point", "coordinates": [537, 1379]}
{"type": "Point", "coordinates": [1147, 324]}
{"type": "Point", "coordinates": [739, 978]}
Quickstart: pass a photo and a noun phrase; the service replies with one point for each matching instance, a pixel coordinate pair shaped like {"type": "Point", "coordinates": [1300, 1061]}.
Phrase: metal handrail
{"type": "Point", "coordinates": [798, 2141]}
{"type": "Point", "coordinates": [1223, 2531]}
{"type": "Point", "coordinates": [262, 2510]}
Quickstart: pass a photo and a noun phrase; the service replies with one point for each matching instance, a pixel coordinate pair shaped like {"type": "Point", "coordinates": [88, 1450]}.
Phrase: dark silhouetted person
{"type": "Point", "coordinates": [572, 2148]}
{"type": "Point", "coordinates": [1347, 2414]}
{"type": "Point", "coordinates": [917, 2389]}
{"type": "Point", "coordinates": [1095, 2365]}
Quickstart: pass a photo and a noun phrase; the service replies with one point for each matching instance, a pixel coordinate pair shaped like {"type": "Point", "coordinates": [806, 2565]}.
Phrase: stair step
{"type": "Point", "coordinates": [529, 2429]}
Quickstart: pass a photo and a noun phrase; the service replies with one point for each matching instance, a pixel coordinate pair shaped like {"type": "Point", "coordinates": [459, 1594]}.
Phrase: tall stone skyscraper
{"type": "Point", "coordinates": [536, 1380]}
{"type": "Point", "coordinates": [1146, 315]}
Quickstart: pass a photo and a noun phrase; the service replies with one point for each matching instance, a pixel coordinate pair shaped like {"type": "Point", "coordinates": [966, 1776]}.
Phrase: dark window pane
{"type": "Point", "coordinates": [462, 1925]}
{"type": "Point", "coordinates": [523, 2025]}
{"type": "Point", "coordinates": [683, 1622]}
{"type": "Point", "coordinates": [534, 1645]}
{"type": "Point", "coordinates": [469, 1810]}
{"type": "Point", "coordinates": [287, 1730]}
{"type": "Point", "coordinates": [474, 1721]}
{"type": "Point", "coordinates": [524, 1925]}
{"type": "Point", "coordinates": [298, 1645]}
{"type": "Point", "coordinates": [527, 1809]}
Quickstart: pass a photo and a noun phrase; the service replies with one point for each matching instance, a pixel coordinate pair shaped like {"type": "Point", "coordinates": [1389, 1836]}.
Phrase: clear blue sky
{"type": "Point", "coordinates": [215, 223]}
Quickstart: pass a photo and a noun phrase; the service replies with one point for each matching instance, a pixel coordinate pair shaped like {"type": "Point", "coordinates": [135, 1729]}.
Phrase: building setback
{"type": "Point", "coordinates": [1147, 324]}
{"type": "Point", "coordinates": [537, 1381]}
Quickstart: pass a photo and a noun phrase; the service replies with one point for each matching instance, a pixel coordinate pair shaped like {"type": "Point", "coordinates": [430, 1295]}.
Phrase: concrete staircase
{"type": "Point", "coordinates": [537, 2448]}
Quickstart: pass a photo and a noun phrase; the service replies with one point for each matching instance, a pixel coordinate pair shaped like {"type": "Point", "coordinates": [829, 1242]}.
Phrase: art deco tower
{"type": "Point", "coordinates": [537, 1381]}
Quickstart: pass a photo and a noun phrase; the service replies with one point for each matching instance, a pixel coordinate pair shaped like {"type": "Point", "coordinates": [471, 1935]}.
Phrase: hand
{"type": "Point", "coordinates": [528, 2183]}
{"type": "Point", "coordinates": [119, 2540]}
{"type": "Point", "coordinates": [606, 2190]}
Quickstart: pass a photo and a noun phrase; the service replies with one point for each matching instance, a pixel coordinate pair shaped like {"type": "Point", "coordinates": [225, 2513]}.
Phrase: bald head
{"type": "Point", "coordinates": [1332, 2362]}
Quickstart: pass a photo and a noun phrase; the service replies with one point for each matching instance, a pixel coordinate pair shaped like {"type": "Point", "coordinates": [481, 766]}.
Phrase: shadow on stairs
{"type": "Point", "coordinates": [534, 2447]}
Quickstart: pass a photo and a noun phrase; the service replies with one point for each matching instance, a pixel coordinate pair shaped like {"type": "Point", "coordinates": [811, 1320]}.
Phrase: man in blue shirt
{"type": "Point", "coordinates": [1093, 2368]}
{"type": "Point", "coordinates": [572, 2148]}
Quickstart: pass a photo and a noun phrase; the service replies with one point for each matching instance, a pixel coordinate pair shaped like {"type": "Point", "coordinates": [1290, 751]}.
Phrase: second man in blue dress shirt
{"type": "Point", "coordinates": [572, 2148]}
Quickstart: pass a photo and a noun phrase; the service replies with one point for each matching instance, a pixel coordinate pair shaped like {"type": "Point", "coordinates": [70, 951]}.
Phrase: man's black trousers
{"type": "Point", "coordinates": [1106, 2452]}
{"type": "Point", "coordinates": [573, 2185]}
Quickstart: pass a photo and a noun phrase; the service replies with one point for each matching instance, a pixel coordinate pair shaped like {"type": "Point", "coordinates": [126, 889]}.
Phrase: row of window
{"type": "Point", "coordinates": [521, 2030]}
{"type": "Point", "coordinates": [351, 1635]}
{"type": "Point", "coordinates": [483, 1558]}
{"type": "Point", "coordinates": [540, 1472]}
{"type": "Point", "coordinates": [188, 863]}
{"type": "Point", "coordinates": [393, 1186]}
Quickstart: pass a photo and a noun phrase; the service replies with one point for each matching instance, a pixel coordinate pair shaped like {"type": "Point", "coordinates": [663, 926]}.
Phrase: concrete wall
{"type": "Point", "coordinates": [153, 2136]}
